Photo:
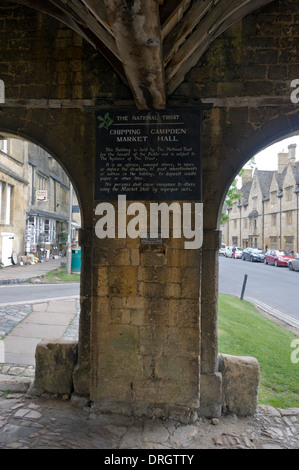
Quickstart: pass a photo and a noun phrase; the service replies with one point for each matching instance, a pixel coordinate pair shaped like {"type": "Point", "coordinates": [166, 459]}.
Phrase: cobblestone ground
{"type": "Point", "coordinates": [69, 422]}
{"type": "Point", "coordinates": [46, 423]}
{"type": "Point", "coordinates": [11, 315]}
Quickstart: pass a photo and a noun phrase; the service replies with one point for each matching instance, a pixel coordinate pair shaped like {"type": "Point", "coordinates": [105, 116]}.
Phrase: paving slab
{"type": "Point", "coordinates": [48, 318]}
{"type": "Point", "coordinates": [39, 331]}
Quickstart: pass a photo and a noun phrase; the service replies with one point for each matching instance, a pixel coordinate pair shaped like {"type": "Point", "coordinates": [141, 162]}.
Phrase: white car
{"type": "Point", "coordinates": [222, 249]}
{"type": "Point", "coordinates": [229, 252]}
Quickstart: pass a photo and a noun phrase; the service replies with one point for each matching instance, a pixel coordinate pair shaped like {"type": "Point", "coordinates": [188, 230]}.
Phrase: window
{"type": "Point", "coordinates": [289, 193]}
{"type": "Point", "coordinates": [245, 223]}
{"type": "Point", "coordinates": [235, 224]}
{"type": "Point", "coordinates": [289, 243]}
{"type": "Point", "coordinates": [42, 182]}
{"type": "Point", "coordinates": [274, 243]}
{"type": "Point", "coordinates": [274, 197]}
{"type": "Point", "coordinates": [64, 195]}
{"type": "Point", "coordinates": [254, 202]}
{"type": "Point", "coordinates": [273, 220]}
{"type": "Point", "coordinates": [50, 231]}
{"type": "Point", "coordinates": [46, 230]}
{"type": "Point", "coordinates": [289, 218]}
{"type": "Point", "coordinates": [5, 203]}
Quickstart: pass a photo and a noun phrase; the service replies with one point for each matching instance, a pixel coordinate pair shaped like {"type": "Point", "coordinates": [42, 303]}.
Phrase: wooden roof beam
{"type": "Point", "coordinates": [82, 16]}
{"type": "Point", "coordinates": [136, 28]}
{"type": "Point", "coordinates": [222, 17]}
{"type": "Point", "coordinates": [179, 33]}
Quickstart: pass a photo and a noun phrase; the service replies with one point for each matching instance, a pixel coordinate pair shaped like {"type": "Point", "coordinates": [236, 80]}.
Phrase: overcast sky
{"type": "Point", "coordinates": [267, 159]}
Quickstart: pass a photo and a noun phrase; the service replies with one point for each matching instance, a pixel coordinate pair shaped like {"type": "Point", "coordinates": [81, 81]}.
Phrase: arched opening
{"type": "Point", "coordinates": [256, 313]}
{"type": "Point", "coordinates": [40, 220]}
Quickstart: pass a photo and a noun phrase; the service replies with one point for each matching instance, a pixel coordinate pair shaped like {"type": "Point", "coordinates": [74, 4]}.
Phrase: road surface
{"type": "Point", "coordinates": [273, 289]}
{"type": "Point", "coordinates": [22, 293]}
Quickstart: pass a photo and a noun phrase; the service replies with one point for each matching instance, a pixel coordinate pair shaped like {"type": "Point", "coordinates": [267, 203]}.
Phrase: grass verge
{"type": "Point", "coordinates": [244, 331]}
{"type": "Point", "coordinates": [60, 275]}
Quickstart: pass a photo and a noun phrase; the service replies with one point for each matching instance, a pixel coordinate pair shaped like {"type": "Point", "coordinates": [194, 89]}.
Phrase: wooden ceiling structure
{"type": "Point", "coordinates": [151, 44]}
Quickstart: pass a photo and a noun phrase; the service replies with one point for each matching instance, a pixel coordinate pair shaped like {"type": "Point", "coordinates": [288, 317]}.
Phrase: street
{"type": "Point", "coordinates": [273, 289]}
{"type": "Point", "coordinates": [22, 293]}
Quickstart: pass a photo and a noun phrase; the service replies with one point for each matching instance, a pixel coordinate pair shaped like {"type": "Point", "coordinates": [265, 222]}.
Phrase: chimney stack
{"type": "Point", "coordinates": [292, 153]}
{"type": "Point", "coordinates": [246, 176]}
{"type": "Point", "coordinates": [283, 160]}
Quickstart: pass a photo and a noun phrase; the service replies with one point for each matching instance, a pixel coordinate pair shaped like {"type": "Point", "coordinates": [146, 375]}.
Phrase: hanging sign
{"type": "Point", "coordinates": [41, 195]}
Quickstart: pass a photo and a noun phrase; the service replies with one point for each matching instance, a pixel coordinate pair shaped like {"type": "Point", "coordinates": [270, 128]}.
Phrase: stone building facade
{"type": "Point", "coordinates": [267, 216]}
{"type": "Point", "coordinates": [34, 201]}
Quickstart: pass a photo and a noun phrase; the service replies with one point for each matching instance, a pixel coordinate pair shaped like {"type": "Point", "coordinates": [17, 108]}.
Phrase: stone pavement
{"type": "Point", "coordinates": [16, 274]}
{"type": "Point", "coordinates": [31, 323]}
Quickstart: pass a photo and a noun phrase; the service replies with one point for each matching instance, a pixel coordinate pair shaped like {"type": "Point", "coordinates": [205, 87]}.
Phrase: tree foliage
{"type": "Point", "coordinates": [233, 193]}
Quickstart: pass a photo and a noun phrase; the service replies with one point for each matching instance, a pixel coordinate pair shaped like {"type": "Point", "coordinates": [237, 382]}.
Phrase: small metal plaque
{"type": "Point", "coordinates": [151, 239]}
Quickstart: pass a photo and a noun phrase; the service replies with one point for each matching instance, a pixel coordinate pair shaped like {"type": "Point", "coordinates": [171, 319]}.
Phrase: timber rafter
{"type": "Point", "coordinates": [151, 44]}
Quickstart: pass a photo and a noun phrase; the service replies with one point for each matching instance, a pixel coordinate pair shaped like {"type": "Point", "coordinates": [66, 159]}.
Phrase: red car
{"type": "Point", "coordinates": [278, 257]}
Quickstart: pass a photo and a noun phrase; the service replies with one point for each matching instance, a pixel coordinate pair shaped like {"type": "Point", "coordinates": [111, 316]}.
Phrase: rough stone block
{"type": "Point", "coordinates": [240, 377]}
{"type": "Point", "coordinates": [55, 362]}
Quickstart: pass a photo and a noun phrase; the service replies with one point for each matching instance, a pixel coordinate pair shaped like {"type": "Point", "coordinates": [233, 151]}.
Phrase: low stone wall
{"type": "Point", "coordinates": [236, 382]}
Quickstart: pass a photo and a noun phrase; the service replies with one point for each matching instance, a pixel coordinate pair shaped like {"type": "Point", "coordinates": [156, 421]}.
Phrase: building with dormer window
{"type": "Point", "coordinates": [267, 215]}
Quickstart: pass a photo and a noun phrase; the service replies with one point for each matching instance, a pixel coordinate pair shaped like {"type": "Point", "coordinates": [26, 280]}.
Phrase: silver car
{"type": "Point", "coordinates": [293, 264]}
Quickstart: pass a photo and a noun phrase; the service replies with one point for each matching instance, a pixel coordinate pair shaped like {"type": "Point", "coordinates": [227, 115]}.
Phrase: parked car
{"type": "Point", "coordinates": [278, 257]}
{"type": "Point", "coordinates": [229, 252]}
{"type": "Point", "coordinates": [253, 254]}
{"type": "Point", "coordinates": [222, 249]}
{"type": "Point", "coordinates": [293, 264]}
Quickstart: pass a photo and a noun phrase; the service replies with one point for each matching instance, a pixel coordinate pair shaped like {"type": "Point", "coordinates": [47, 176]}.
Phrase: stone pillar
{"type": "Point", "coordinates": [145, 337]}
{"type": "Point", "coordinates": [210, 380]}
{"type": "Point", "coordinates": [81, 374]}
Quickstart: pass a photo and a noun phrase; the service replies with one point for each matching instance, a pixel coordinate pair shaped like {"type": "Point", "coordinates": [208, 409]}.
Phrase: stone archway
{"type": "Point", "coordinates": [238, 151]}
{"type": "Point", "coordinates": [64, 143]}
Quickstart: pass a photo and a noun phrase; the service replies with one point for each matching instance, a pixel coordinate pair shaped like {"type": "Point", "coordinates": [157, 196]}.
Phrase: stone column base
{"type": "Point", "coordinates": [240, 377]}
{"type": "Point", "coordinates": [55, 361]}
{"type": "Point", "coordinates": [211, 395]}
{"type": "Point", "coordinates": [234, 389]}
{"type": "Point", "coordinates": [81, 379]}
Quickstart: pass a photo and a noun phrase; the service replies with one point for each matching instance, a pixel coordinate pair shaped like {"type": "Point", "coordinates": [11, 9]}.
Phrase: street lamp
{"type": "Point", "coordinates": [69, 249]}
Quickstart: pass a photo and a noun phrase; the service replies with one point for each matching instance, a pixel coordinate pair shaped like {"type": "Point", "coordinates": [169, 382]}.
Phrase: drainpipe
{"type": "Point", "coordinates": [297, 225]}
{"type": "Point", "coordinates": [280, 214]}
{"type": "Point", "coordinates": [240, 244]}
{"type": "Point", "coordinates": [263, 226]}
